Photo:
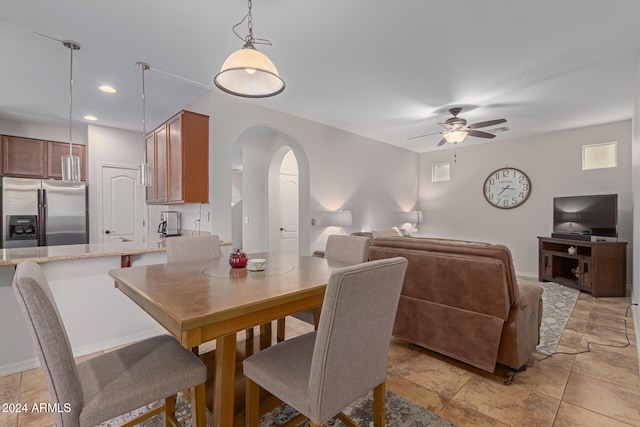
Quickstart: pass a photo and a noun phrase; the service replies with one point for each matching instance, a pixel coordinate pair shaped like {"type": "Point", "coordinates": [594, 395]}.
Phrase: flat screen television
{"type": "Point", "coordinates": [595, 215]}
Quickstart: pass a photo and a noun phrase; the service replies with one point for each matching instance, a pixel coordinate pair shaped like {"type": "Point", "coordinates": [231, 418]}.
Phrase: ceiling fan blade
{"type": "Point", "coordinates": [487, 123]}
{"type": "Point", "coordinates": [442, 142]}
{"type": "Point", "coordinates": [480, 134]}
{"type": "Point", "coordinates": [421, 136]}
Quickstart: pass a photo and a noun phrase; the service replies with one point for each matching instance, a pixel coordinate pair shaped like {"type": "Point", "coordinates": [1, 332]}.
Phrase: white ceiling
{"type": "Point", "coordinates": [387, 70]}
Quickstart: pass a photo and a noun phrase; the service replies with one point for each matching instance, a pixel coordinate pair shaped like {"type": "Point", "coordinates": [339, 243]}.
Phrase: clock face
{"type": "Point", "coordinates": [507, 188]}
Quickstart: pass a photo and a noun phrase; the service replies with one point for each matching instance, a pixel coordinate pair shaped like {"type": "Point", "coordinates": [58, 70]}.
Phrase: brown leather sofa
{"type": "Point", "coordinates": [462, 299]}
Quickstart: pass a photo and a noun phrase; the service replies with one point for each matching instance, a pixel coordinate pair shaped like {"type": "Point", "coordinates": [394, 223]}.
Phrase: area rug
{"type": "Point", "coordinates": [558, 302]}
{"type": "Point", "coordinates": [399, 413]}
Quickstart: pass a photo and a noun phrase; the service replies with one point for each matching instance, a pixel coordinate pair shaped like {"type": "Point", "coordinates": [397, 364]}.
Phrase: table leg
{"type": "Point", "coordinates": [224, 384]}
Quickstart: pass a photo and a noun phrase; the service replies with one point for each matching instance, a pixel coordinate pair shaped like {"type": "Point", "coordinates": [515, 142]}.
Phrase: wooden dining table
{"type": "Point", "coordinates": [203, 300]}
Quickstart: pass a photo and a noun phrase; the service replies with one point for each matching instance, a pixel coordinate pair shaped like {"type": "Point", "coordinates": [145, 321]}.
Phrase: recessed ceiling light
{"type": "Point", "coordinates": [108, 89]}
{"type": "Point", "coordinates": [90, 117]}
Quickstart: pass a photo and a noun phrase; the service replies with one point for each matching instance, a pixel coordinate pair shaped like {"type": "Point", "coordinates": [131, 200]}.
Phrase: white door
{"type": "Point", "coordinates": [122, 204]}
{"type": "Point", "coordinates": [289, 213]}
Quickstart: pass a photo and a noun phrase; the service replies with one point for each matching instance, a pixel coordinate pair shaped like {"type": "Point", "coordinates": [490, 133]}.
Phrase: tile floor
{"type": "Point", "coordinates": [600, 388]}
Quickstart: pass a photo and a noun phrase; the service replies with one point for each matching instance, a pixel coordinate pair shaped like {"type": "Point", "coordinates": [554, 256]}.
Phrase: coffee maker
{"type": "Point", "coordinates": [170, 224]}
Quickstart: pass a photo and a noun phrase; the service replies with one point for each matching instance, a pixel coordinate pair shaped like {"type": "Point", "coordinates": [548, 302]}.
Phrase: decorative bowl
{"type": "Point", "coordinates": [257, 264]}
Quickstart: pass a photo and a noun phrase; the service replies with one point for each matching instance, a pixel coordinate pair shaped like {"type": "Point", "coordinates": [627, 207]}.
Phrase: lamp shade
{"type": "Point", "coordinates": [414, 217]}
{"type": "Point", "coordinates": [250, 74]}
{"type": "Point", "coordinates": [569, 217]}
{"type": "Point", "coordinates": [456, 136]}
{"type": "Point", "coordinates": [341, 219]}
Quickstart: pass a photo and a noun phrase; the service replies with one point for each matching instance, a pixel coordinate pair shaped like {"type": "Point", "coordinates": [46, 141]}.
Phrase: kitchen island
{"type": "Point", "coordinates": [42, 254]}
{"type": "Point", "coordinates": [96, 314]}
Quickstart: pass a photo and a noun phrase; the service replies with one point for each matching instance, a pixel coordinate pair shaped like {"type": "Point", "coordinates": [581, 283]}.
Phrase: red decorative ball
{"type": "Point", "coordinates": [237, 259]}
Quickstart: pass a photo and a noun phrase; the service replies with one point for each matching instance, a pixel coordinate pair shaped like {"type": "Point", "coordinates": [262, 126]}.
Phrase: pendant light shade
{"type": "Point", "coordinates": [247, 72]}
{"type": "Point", "coordinates": [70, 163]}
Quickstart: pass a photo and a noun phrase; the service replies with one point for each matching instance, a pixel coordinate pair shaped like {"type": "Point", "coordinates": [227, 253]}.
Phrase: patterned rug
{"type": "Point", "coordinates": [558, 302]}
{"type": "Point", "coordinates": [399, 413]}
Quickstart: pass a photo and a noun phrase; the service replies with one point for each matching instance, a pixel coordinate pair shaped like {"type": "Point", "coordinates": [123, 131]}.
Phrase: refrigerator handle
{"type": "Point", "coordinates": [39, 218]}
{"type": "Point", "coordinates": [43, 218]}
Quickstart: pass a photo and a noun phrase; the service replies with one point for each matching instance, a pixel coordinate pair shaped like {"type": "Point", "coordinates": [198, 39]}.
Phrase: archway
{"type": "Point", "coordinates": [257, 155]}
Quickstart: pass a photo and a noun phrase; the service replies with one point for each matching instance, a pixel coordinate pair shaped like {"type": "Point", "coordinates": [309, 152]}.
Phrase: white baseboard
{"type": "Point", "coordinates": [527, 274]}
{"type": "Point", "coordinates": [636, 320]}
{"type": "Point", "coordinates": [24, 365]}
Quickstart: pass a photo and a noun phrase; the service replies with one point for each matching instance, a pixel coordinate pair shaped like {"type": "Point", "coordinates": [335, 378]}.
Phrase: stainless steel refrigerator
{"type": "Point", "coordinates": [39, 212]}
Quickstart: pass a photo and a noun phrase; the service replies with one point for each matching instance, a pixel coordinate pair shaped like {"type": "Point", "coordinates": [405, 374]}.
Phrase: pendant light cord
{"type": "Point", "coordinates": [71, 45]}
{"type": "Point", "coordinates": [249, 40]}
{"type": "Point", "coordinates": [144, 111]}
{"type": "Point", "coordinates": [70, 101]}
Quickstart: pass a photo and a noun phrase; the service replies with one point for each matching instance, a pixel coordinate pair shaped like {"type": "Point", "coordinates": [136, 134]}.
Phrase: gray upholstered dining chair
{"type": "Point", "coordinates": [322, 372]}
{"type": "Point", "coordinates": [184, 248]}
{"type": "Point", "coordinates": [342, 248]}
{"type": "Point", "coordinates": [111, 384]}
{"type": "Point", "coordinates": [349, 249]}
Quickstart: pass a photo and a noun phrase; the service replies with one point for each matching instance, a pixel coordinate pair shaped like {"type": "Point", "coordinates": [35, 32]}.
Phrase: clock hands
{"type": "Point", "coordinates": [508, 187]}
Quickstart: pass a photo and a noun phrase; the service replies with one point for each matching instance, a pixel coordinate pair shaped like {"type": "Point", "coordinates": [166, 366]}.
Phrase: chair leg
{"type": "Point", "coordinates": [316, 317]}
{"type": "Point", "coordinates": [198, 402]}
{"type": "Point", "coordinates": [280, 326]}
{"type": "Point", "coordinates": [170, 411]}
{"type": "Point", "coordinates": [252, 404]}
{"type": "Point", "coordinates": [378, 405]}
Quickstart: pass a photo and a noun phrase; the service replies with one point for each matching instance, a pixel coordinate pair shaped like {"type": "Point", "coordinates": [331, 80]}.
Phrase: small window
{"type": "Point", "coordinates": [440, 172]}
{"type": "Point", "coordinates": [599, 156]}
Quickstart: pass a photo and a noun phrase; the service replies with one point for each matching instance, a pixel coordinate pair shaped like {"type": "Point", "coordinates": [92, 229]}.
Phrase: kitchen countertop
{"type": "Point", "coordinates": [42, 254]}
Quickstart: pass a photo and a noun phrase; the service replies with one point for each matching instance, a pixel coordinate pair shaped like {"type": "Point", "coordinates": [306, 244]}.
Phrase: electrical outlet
{"type": "Point", "coordinates": [313, 221]}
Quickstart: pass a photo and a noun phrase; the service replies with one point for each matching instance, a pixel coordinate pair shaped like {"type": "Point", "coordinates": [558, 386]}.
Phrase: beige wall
{"type": "Point", "coordinates": [636, 197]}
{"type": "Point", "coordinates": [553, 162]}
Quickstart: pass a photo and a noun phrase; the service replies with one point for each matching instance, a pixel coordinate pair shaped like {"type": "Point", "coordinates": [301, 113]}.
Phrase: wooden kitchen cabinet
{"type": "Point", "coordinates": [179, 153]}
{"type": "Point", "coordinates": [35, 158]}
{"type": "Point", "coordinates": [24, 157]}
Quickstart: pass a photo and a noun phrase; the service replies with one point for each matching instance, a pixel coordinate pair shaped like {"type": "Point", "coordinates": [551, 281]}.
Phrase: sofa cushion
{"type": "Point", "coordinates": [473, 337]}
{"type": "Point", "coordinates": [389, 232]}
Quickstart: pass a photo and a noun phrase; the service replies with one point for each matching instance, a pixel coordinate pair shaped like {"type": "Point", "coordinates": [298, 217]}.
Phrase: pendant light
{"type": "Point", "coordinates": [247, 72]}
{"type": "Point", "coordinates": [144, 177]}
{"type": "Point", "coordinates": [71, 163]}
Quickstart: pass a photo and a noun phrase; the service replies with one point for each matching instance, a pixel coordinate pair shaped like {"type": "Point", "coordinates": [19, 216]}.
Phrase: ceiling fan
{"type": "Point", "coordinates": [456, 128]}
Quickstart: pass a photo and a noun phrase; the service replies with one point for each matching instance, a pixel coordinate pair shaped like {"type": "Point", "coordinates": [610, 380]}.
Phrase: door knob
{"type": "Point", "coordinates": [109, 231]}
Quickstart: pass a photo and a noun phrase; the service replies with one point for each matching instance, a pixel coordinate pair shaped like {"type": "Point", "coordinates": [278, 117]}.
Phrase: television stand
{"type": "Point", "coordinates": [598, 267]}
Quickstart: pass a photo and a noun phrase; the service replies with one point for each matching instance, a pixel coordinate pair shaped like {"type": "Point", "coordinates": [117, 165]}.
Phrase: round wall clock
{"type": "Point", "coordinates": [507, 188]}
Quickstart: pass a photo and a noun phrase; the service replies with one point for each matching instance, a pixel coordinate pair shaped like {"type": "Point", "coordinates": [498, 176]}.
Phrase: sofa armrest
{"type": "Point", "coordinates": [530, 293]}
{"type": "Point", "coordinates": [521, 333]}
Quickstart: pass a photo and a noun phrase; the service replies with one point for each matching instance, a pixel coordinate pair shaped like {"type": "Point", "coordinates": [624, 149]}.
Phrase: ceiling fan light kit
{"type": "Point", "coordinates": [455, 136]}
{"type": "Point", "coordinates": [248, 72]}
{"type": "Point", "coordinates": [456, 128]}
